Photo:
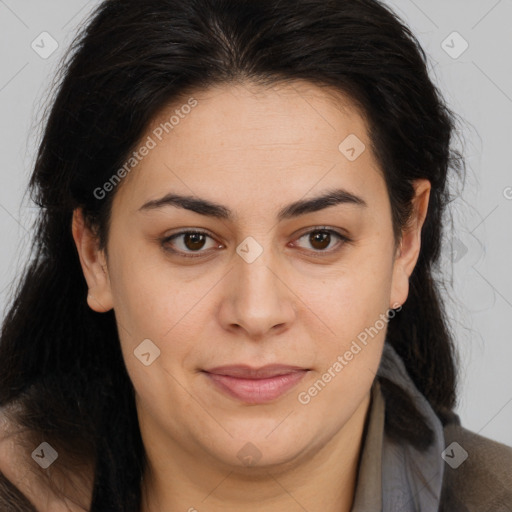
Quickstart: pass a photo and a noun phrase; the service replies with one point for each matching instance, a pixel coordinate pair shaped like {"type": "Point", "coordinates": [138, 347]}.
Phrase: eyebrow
{"type": "Point", "coordinates": [211, 209]}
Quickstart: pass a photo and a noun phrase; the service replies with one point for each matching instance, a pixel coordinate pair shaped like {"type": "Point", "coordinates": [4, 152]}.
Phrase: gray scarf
{"type": "Point", "coordinates": [397, 477]}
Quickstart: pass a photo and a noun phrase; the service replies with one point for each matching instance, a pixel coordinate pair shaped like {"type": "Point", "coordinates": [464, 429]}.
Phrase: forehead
{"type": "Point", "coordinates": [255, 140]}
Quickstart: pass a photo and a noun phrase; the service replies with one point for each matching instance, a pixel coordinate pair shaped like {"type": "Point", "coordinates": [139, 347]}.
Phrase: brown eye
{"type": "Point", "coordinates": [193, 241]}
{"type": "Point", "coordinates": [190, 242]}
{"type": "Point", "coordinates": [320, 239]}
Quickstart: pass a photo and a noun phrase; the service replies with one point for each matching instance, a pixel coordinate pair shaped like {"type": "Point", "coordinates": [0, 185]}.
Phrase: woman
{"type": "Point", "coordinates": [231, 303]}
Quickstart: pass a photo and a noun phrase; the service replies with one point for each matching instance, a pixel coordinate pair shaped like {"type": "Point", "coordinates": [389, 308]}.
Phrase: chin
{"type": "Point", "coordinates": [262, 451]}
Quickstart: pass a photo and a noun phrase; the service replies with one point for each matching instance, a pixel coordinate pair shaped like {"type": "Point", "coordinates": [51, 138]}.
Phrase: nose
{"type": "Point", "coordinates": [258, 298]}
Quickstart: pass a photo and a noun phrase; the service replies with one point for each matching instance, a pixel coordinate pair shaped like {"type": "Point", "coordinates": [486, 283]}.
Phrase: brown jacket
{"type": "Point", "coordinates": [483, 483]}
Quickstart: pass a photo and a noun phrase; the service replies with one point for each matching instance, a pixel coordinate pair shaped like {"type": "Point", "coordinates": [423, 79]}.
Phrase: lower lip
{"type": "Point", "coordinates": [256, 391]}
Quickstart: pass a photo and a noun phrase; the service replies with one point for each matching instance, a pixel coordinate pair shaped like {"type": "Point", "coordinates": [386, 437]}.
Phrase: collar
{"type": "Point", "coordinates": [397, 477]}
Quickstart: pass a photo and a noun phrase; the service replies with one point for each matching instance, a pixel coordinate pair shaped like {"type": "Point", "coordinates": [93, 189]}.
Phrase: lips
{"type": "Point", "coordinates": [255, 385]}
{"type": "Point", "coordinates": [247, 372]}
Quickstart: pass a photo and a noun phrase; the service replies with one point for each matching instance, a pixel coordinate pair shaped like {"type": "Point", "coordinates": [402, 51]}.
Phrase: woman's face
{"type": "Point", "coordinates": [268, 282]}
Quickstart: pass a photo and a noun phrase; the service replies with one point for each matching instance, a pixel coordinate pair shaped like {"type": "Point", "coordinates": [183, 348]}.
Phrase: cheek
{"type": "Point", "coordinates": [357, 294]}
{"type": "Point", "coordinates": [152, 303]}
{"type": "Point", "coordinates": [353, 305]}
{"type": "Point", "coordinates": [144, 297]}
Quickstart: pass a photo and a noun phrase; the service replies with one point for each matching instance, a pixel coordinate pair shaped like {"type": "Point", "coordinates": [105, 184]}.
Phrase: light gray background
{"type": "Point", "coordinates": [477, 85]}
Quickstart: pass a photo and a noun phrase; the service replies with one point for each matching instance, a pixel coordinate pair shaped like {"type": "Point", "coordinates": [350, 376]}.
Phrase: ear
{"type": "Point", "coordinates": [409, 249]}
{"type": "Point", "coordinates": [94, 264]}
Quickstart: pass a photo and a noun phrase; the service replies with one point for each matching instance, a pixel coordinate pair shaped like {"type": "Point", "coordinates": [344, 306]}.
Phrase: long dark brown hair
{"type": "Point", "coordinates": [60, 362]}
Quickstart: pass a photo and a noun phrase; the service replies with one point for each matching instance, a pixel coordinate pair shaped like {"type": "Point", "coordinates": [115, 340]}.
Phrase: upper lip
{"type": "Point", "coordinates": [248, 372]}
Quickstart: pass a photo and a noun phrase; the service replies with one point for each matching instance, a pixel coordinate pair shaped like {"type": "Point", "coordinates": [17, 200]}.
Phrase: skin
{"type": "Point", "coordinates": [253, 150]}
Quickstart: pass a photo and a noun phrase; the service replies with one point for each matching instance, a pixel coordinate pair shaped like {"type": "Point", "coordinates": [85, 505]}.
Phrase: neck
{"type": "Point", "coordinates": [176, 480]}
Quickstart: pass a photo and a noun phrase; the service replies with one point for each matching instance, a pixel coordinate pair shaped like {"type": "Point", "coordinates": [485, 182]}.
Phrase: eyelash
{"type": "Point", "coordinates": [317, 253]}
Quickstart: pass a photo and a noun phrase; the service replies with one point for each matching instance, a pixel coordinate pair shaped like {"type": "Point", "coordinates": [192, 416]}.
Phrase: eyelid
{"type": "Point", "coordinates": [198, 254]}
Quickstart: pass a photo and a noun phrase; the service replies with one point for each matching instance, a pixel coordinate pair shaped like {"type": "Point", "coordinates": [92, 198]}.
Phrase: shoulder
{"type": "Point", "coordinates": [11, 498]}
{"type": "Point", "coordinates": [478, 472]}
{"type": "Point", "coordinates": [22, 484]}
